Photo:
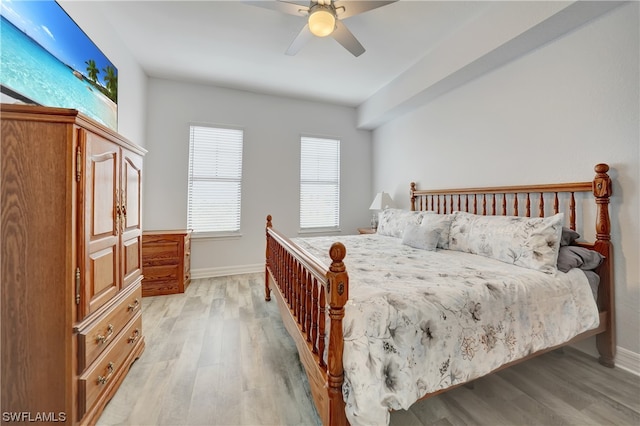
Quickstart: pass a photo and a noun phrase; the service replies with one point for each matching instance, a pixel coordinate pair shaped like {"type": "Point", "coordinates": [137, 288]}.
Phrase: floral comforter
{"type": "Point", "coordinates": [418, 321]}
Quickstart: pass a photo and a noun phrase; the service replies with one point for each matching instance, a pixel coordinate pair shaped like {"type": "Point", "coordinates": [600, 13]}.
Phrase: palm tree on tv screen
{"type": "Point", "coordinates": [112, 82]}
{"type": "Point", "coordinates": [92, 70]}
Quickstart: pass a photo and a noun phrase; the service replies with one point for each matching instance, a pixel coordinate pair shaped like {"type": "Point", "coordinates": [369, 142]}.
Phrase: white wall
{"type": "Point", "coordinates": [270, 183]}
{"type": "Point", "coordinates": [132, 81]}
{"type": "Point", "coordinates": [548, 116]}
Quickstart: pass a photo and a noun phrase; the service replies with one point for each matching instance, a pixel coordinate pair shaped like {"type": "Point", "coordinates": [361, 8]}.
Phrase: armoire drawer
{"type": "Point", "coordinates": [98, 336]}
{"type": "Point", "coordinates": [98, 378]}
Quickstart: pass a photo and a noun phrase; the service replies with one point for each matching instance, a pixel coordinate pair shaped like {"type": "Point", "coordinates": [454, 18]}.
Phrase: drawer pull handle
{"type": "Point", "coordinates": [102, 339]}
{"type": "Point", "coordinates": [132, 307]}
{"type": "Point", "coordinates": [134, 336]}
{"type": "Point", "coordinates": [104, 379]}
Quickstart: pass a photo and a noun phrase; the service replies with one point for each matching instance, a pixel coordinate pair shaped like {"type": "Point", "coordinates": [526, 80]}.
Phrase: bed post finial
{"type": "Point", "coordinates": [337, 294]}
{"type": "Point", "coordinates": [413, 197]}
{"type": "Point", "coordinates": [269, 225]}
{"type": "Point", "coordinates": [602, 190]}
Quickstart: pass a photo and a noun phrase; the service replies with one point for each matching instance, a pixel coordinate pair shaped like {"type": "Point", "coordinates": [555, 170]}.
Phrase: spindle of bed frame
{"type": "Point", "coordinates": [467, 199]}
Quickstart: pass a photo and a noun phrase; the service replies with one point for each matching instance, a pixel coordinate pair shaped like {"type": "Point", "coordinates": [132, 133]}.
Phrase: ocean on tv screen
{"type": "Point", "coordinates": [32, 75]}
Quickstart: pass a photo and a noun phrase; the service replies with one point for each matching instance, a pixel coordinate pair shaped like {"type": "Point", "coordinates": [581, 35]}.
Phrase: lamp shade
{"type": "Point", "coordinates": [321, 21]}
{"type": "Point", "coordinates": [382, 201]}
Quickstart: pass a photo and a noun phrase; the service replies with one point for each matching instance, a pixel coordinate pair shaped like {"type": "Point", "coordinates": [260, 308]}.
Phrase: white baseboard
{"type": "Point", "coordinates": [226, 270]}
{"type": "Point", "coordinates": [628, 361]}
{"type": "Point", "coordinates": [625, 359]}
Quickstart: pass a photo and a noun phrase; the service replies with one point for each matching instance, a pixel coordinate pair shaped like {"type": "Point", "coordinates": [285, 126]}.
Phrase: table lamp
{"type": "Point", "coordinates": [381, 202]}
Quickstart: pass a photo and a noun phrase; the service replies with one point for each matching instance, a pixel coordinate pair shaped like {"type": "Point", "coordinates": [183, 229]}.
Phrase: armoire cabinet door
{"type": "Point", "coordinates": [131, 193]}
{"type": "Point", "coordinates": [101, 198]}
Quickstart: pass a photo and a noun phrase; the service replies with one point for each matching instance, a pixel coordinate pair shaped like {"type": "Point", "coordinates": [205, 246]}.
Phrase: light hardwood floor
{"type": "Point", "coordinates": [219, 355]}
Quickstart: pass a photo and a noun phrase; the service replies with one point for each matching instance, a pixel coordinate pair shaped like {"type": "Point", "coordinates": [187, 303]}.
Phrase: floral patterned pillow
{"type": "Point", "coordinates": [392, 222]}
{"type": "Point", "coordinates": [528, 242]}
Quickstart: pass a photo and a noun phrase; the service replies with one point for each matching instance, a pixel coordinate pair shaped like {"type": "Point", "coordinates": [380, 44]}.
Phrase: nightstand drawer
{"type": "Point", "coordinates": [161, 273]}
{"type": "Point", "coordinates": [160, 253]}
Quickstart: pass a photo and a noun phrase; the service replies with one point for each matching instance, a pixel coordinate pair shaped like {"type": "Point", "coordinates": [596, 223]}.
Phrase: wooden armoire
{"type": "Point", "coordinates": [71, 242]}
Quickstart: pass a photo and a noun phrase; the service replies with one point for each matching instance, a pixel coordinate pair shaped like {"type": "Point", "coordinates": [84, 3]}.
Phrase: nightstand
{"type": "Point", "coordinates": [366, 231]}
{"type": "Point", "coordinates": [166, 262]}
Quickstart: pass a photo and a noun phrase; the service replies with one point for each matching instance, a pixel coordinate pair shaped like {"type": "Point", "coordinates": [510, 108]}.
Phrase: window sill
{"type": "Point", "coordinates": [216, 235]}
{"type": "Point", "coordinates": [320, 231]}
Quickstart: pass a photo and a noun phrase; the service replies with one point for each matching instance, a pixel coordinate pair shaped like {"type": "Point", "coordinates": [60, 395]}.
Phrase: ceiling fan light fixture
{"type": "Point", "coordinates": [322, 21]}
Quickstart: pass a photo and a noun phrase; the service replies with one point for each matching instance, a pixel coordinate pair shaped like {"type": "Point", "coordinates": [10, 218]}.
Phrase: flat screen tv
{"type": "Point", "coordinates": [46, 59]}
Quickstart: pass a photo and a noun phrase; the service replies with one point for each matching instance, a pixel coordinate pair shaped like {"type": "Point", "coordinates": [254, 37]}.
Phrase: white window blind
{"type": "Point", "coordinates": [319, 183]}
{"type": "Point", "coordinates": [215, 178]}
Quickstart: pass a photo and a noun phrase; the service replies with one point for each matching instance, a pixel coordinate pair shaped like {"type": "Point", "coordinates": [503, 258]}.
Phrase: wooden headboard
{"type": "Point", "coordinates": [533, 201]}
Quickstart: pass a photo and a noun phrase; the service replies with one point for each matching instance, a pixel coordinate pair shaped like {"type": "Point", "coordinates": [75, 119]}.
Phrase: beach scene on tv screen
{"type": "Point", "coordinates": [47, 59]}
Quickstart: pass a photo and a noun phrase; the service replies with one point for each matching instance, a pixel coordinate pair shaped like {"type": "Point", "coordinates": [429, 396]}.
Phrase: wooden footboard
{"type": "Point", "coordinates": [306, 291]}
{"type": "Point", "coordinates": [303, 287]}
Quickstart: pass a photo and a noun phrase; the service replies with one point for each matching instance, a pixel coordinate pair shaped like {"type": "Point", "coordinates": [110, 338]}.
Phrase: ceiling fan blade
{"type": "Point", "coordinates": [343, 36]}
{"type": "Point", "coordinates": [301, 39]}
{"type": "Point", "coordinates": [355, 7]}
{"type": "Point", "coordinates": [281, 6]}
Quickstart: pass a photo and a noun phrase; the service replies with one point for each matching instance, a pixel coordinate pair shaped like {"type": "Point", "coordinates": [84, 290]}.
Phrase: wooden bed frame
{"type": "Point", "coordinates": [306, 291]}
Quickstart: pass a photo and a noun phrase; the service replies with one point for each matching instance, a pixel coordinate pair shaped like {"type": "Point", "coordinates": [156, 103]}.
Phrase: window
{"type": "Point", "coordinates": [319, 183]}
{"type": "Point", "coordinates": [215, 178]}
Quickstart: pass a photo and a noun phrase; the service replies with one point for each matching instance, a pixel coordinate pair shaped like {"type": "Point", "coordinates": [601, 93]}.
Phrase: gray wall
{"type": "Point", "coordinates": [270, 181]}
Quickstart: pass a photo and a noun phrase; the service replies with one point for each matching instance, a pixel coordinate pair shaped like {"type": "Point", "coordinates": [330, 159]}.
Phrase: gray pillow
{"type": "Point", "coordinates": [420, 237]}
{"type": "Point", "coordinates": [568, 236]}
{"type": "Point", "coordinates": [441, 222]}
{"type": "Point", "coordinates": [578, 257]}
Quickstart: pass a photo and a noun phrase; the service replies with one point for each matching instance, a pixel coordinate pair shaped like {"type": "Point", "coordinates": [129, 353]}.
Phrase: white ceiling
{"type": "Point", "coordinates": [232, 44]}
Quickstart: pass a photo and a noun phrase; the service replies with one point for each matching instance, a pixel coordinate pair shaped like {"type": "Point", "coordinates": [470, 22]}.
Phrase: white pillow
{"type": "Point", "coordinates": [528, 242]}
{"type": "Point", "coordinates": [392, 222]}
{"type": "Point", "coordinates": [421, 237]}
{"type": "Point", "coordinates": [442, 222]}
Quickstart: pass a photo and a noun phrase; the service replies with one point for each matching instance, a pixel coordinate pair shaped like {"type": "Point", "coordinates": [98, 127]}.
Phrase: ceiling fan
{"type": "Point", "coordinates": [324, 19]}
